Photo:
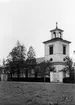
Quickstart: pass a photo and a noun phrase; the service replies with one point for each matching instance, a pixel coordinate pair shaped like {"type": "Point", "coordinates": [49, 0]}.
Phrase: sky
{"type": "Point", "coordinates": [30, 22]}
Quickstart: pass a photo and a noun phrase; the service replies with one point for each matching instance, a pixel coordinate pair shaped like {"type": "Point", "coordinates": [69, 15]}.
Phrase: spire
{"type": "Point", "coordinates": [56, 25]}
{"type": "Point", "coordinates": [56, 29]}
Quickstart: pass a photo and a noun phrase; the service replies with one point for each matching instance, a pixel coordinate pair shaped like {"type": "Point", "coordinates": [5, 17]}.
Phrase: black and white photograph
{"type": "Point", "coordinates": [37, 52]}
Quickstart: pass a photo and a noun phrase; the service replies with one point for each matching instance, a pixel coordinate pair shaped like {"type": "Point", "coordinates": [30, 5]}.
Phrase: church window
{"type": "Point", "coordinates": [60, 34]}
{"type": "Point", "coordinates": [50, 50]}
{"type": "Point", "coordinates": [64, 59]}
{"type": "Point", "coordinates": [54, 34]}
{"type": "Point", "coordinates": [64, 49]}
{"type": "Point", "coordinates": [51, 59]}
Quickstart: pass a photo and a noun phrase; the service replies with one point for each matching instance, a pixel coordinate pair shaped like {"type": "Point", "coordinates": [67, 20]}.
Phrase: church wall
{"type": "Point", "coordinates": [59, 49]}
{"type": "Point", "coordinates": [55, 44]}
{"type": "Point", "coordinates": [67, 47]}
{"type": "Point", "coordinates": [59, 67]}
{"type": "Point", "coordinates": [57, 55]}
{"type": "Point", "coordinates": [58, 75]}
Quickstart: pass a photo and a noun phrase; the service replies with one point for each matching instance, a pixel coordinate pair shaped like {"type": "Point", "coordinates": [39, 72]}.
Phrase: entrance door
{"type": "Point", "coordinates": [60, 76]}
{"type": "Point", "coordinates": [53, 77]}
{"type": "Point", "coordinates": [56, 76]}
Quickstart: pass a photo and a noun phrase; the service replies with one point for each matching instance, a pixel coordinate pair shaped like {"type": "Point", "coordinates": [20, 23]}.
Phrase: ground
{"type": "Point", "coordinates": [28, 93]}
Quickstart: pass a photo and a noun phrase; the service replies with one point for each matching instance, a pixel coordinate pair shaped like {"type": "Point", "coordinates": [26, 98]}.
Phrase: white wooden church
{"type": "Point", "coordinates": [56, 49]}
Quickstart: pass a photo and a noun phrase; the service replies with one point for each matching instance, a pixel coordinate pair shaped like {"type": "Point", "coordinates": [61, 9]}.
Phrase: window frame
{"type": "Point", "coordinates": [51, 52]}
{"type": "Point", "coordinates": [64, 49]}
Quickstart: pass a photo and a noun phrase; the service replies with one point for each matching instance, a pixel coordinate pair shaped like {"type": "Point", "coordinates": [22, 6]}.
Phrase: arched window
{"type": "Point", "coordinates": [60, 34]}
{"type": "Point", "coordinates": [54, 34]}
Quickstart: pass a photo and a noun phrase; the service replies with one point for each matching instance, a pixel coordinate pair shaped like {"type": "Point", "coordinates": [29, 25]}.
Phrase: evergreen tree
{"type": "Point", "coordinates": [16, 59]}
{"type": "Point", "coordinates": [69, 66]}
{"type": "Point", "coordinates": [31, 60]}
{"type": "Point", "coordinates": [36, 70]}
{"type": "Point", "coordinates": [45, 68]}
{"type": "Point", "coordinates": [31, 53]}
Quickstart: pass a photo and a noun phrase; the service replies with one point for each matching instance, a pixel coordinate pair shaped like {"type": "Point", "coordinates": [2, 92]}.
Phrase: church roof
{"type": "Point", "coordinates": [56, 39]}
{"type": "Point", "coordinates": [39, 60]}
{"type": "Point", "coordinates": [56, 29]}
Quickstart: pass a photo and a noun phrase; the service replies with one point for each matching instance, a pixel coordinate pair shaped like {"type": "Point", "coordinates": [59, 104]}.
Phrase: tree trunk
{"type": "Point", "coordinates": [18, 76]}
{"type": "Point", "coordinates": [26, 73]}
{"type": "Point", "coordinates": [35, 75]}
{"type": "Point", "coordinates": [11, 75]}
{"type": "Point", "coordinates": [44, 78]}
{"type": "Point", "coordinates": [49, 76]}
{"type": "Point", "coordinates": [18, 73]}
{"type": "Point", "coordinates": [70, 72]}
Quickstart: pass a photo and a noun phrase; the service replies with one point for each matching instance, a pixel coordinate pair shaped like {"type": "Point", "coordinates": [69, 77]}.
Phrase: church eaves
{"type": "Point", "coordinates": [56, 39]}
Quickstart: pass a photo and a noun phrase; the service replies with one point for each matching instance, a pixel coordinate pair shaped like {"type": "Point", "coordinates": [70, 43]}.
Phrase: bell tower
{"type": "Point", "coordinates": [56, 49]}
{"type": "Point", "coordinates": [56, 33]}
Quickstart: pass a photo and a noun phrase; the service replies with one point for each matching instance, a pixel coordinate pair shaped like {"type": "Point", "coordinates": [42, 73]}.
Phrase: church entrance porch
{"type": "Point", "coordinates": [56, 76]}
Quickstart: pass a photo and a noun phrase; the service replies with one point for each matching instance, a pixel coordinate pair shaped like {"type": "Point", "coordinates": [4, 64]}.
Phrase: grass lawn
{"type": "Point", "coordinates": [24, 93]}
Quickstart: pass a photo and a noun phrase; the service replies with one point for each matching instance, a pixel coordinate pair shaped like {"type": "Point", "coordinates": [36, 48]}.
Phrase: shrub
{"type": "Point", "coordinates": [68, 80]}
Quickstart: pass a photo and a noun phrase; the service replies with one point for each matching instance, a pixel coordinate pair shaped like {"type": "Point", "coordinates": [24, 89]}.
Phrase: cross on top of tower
{"type": "Point", "coordinates": [56, 24]}
{"type": "Point", "coordinates": [56, 29]}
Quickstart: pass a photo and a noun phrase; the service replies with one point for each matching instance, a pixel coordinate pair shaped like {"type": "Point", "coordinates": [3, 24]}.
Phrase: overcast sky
{"type": "Point", "coordinates": [29, 21]}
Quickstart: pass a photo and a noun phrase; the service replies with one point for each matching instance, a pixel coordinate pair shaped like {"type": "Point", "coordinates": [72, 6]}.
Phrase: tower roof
{"type": "Point", "coordinates": [56, 29]}
{"type": "Point", "coordinates": [56, 39]}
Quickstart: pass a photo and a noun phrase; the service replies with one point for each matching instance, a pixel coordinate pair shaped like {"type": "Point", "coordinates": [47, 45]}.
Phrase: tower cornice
{"type": "Point", "coordinates": [56, 39]}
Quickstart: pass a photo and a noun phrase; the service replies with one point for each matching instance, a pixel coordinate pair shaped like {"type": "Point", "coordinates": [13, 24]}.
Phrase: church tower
{"type": "Point", "coordinates": [56, 49]}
